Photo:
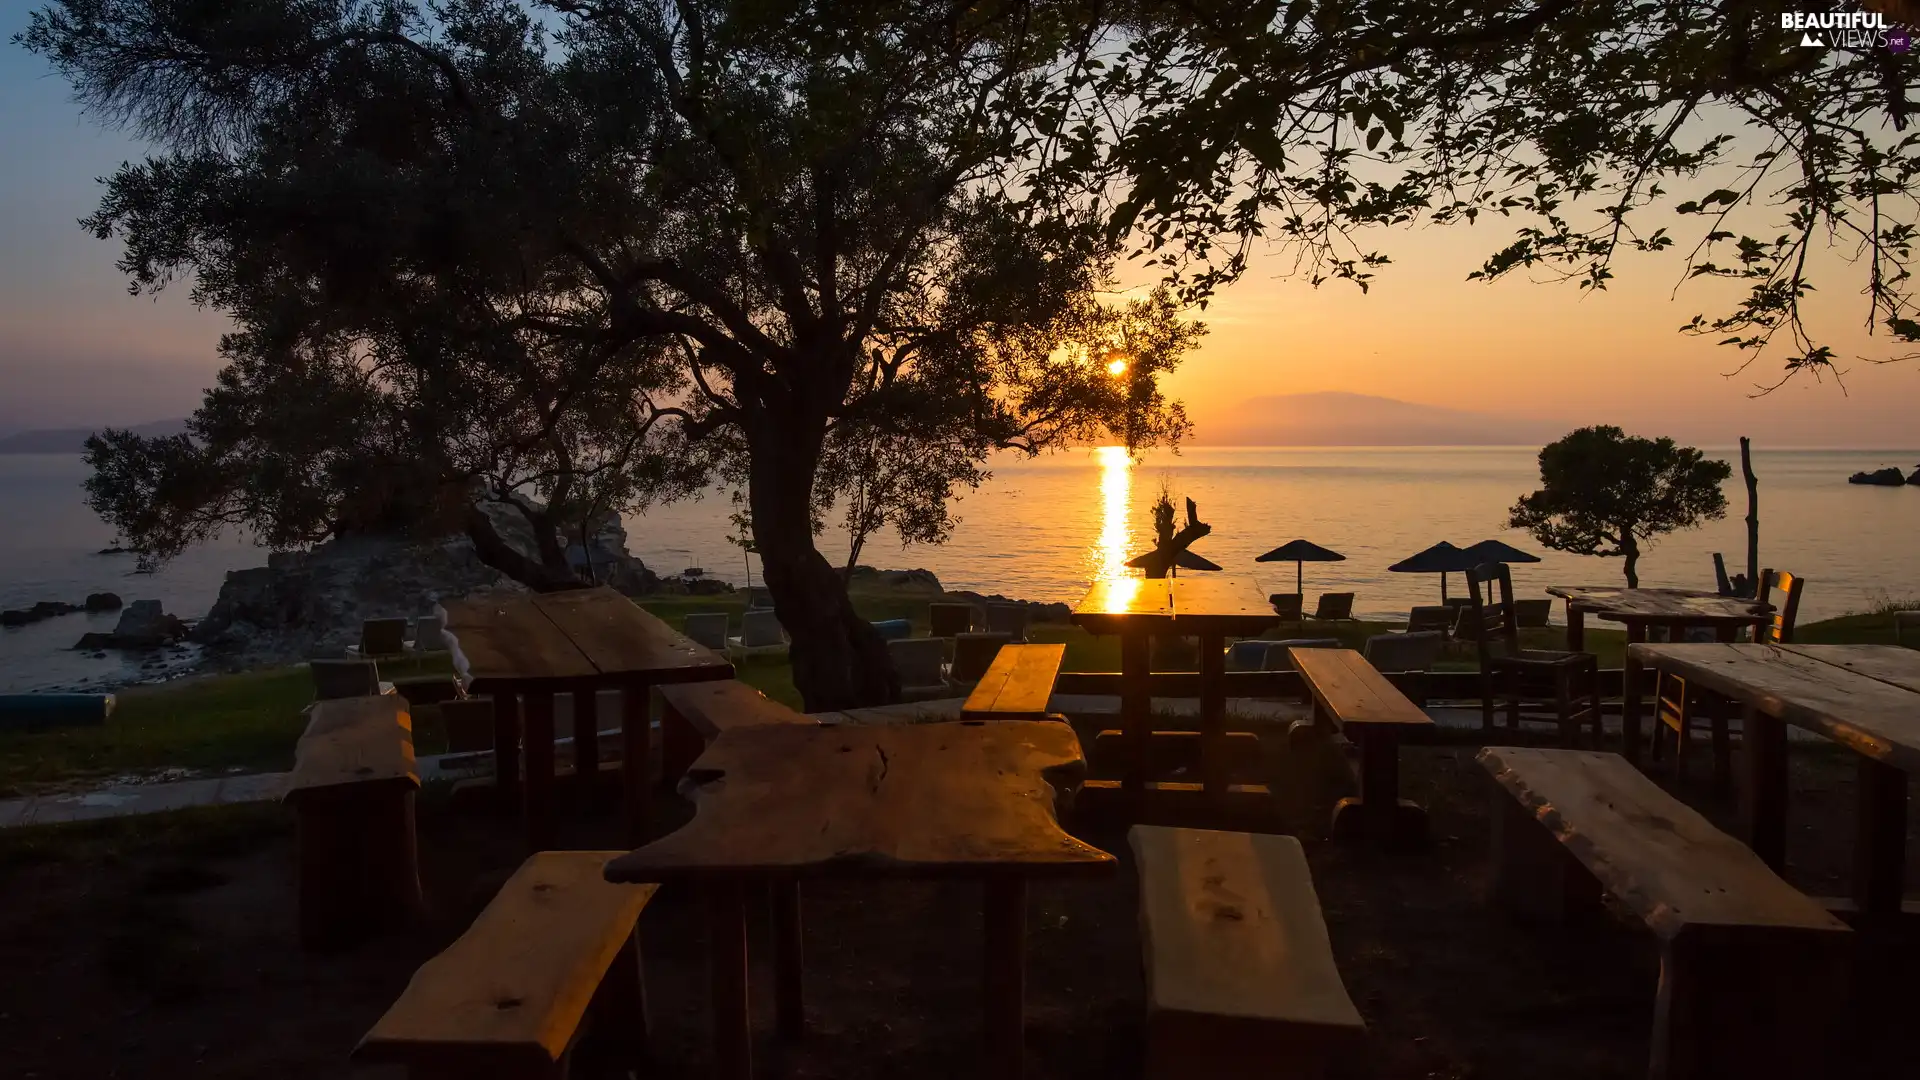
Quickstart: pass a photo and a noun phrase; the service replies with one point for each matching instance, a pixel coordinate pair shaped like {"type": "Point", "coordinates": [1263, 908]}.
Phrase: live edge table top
{"type": "Point", "coordinates": [508, 639]}
{"type": "Point", "coordinates": [966, 799]}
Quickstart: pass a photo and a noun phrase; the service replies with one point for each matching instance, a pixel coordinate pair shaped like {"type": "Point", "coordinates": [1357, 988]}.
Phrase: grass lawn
{"type": "Point", "coordinates": [250, 721]}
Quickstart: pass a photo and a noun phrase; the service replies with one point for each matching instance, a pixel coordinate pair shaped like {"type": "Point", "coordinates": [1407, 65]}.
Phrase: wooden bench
{"type": "Point", "coordinates": [352, 790]}
{"type": "Point", "coordinates": [1351, 697]}
{"type": "Point", "coordinates": [1241, 981]}
{"type": "Point", "coordinates": [507, 1000]}
{"type": "Point", "coordinates": [1752, 973]}
{"type": "Point", "coordinates": [1017, 685]}
{"type": "Point", "coordinates": [692, 715]}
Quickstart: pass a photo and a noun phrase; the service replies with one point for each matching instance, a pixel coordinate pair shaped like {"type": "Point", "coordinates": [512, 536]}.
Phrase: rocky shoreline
{"type": "Point", "coordinates": [1890, 476]}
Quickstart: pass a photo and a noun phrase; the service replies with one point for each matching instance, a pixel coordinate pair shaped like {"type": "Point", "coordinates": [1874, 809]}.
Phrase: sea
{"type": "Point", "coordinates": [1044, 528]}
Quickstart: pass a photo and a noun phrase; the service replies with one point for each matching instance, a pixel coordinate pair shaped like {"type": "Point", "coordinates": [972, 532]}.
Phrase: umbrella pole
{"type": "Point", "coordinates": [1443, 586]}
{"type": "Point", "coordinates": [1298, 578]}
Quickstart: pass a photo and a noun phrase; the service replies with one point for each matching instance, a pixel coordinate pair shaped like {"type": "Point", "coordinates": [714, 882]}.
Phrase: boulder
{"type": "Point", "coordinates": [1887, 477]}
{"type": "Point", "coordinates": [102, 601]}
{"type": "Point", "coordinates": [45, 609]}
{"type": "Point", "coordinates": [143, 623]}
{"type": "Point", "coordinates": [1915, 478]}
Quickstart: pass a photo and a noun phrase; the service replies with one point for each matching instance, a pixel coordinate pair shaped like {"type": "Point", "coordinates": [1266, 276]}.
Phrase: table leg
{"type": "Point", "coordinates": [1006, 962]}
{"type": "Point", "coordinates": [537, 802]}
{"type": "Point", "coordinates": [506, 749]}
{"type": "Point", "coordinates": [1765, 751]}
{"type": "Point", "coordinates": [1576, 628]}
{"type": "Point", "coordinates": [635, 758]}
{"type": "Point", "coordinates": [1630, 696]}
{"type": "Point", "coordinates": [586, 742]}
{"type": "Point", "coordinates": [1136, 712]}
{"type": "Point", "coordinates": [1379, 815]}
{"type": "Point", "coordinates": [788, 968]}
{"type": "Point", "coordinates": [727, 958]}
{"type": "Point", "coordinates": [1880, 842]}
{"type": "Point", "coordinates": [1213, 719]}
{"type": "Point", "coordinates": [1727, 632]}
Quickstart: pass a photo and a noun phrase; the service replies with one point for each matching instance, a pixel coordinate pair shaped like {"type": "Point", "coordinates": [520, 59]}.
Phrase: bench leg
{"type": "Point", "coordinates": [636, 759]}
{"type": "Point", "coordinates": [506, 750]}
{"type": "Point", "coordinates": [788, 962]}
{"type": "Point", "coordinates": [1764, 746]}
{"type": "Point", "coordinates": [1006, 977]}
{"type": "Point", "coordinates": [537, 800]}
{"type": "Point", "coordinates": [1716, 710]}
{"type": "Point", "coordinates": [679, 746]}
{"type": "Point", "coordinates": [1880, 842]}
{"type": "Point", "coordinates": [621, 1023]}
{"type": "Point", "coordinates": [1749, 1006]}
{"type": "Point", "coordinates": [1534, 876]}
{"type": "Point", "coordinates": [1379, 815]}
{"type": "Point", "coordinates": [727, 959]}
{"type": "Point", "coordinates": [586, 744]}
{"type": "Point", "coordinates": [1136, 715]}
{"type": "Point", "coordinates": [359, 868]}
{"type": "Point", "coordinates": [1213, 720]}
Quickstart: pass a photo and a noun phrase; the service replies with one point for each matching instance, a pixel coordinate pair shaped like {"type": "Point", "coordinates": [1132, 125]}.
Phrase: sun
{"type": "Point", "coordinates": [1117, 366]}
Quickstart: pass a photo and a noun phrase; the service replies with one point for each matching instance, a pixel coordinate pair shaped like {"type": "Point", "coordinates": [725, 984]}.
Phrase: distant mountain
{"type": "Point", "coordinates": [74, 440]}
{"type": "Point", "coordinates": [1335, 418]}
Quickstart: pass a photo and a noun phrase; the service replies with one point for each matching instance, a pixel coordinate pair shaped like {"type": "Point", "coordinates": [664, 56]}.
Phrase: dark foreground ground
{"type": "Point", "coordinates": [165, 948]}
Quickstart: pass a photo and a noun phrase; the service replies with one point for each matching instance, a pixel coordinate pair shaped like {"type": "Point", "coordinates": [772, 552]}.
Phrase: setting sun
{"type": "Point", "coordinates": [1117, 366]}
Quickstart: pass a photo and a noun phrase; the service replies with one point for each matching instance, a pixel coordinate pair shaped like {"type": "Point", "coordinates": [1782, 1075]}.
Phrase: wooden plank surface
{"type": "Point", "coordinates": [1887, 663]}
{"type": "Point", "coordinates": [1868, 715]}
{"type": "Point", "coordinates": [1232, 931]}
{"type": "Point", "coordinates": [511, 991]}
{"type": "Point", "coordinates": [506, 637]}
{"type": "Point", "coordinates": [1653, 853]}
{"type": "Point", "coordinates": [1114, 602]}
{"type": "Point", "coordinates": [354, 740]}
{"type": "Point", "coordinates": [1227, 602]}
{"type": "Point", "coordinates": [1348, 687]}
{"type": "Point", "coordinates": [618, 637]}
{"type": "Point", "coordinates": [1018, 684]}
{"type": "Point", "coordinates": [1660, 605]}
{"type": "Point", "coordinates": [717, 705]}
{"type": "Point", "coordinates": [961, 798]}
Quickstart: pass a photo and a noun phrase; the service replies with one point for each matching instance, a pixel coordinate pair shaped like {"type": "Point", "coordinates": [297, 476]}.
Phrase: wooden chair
{"type": "Point", "coordinates": [1532, 614]}
{"type": "Point", "coordinates": [511, 997]}
{"type": "Point", "coordinates": [1753, 974]}
{"type": "Point", "coordinates": [357, 866]}
{"type": "Point", "coordinates": [1287, 605]}
{"type": "Point", "coordinates": [1507, 670]}
{"type": "Point", "coordinates": [1017, 685]}
{"type": "Point", "coordinates": [380, 637]}
{"type": "Point", "coordinates": [946, 620]}
{"type": "Point", "coordinates": [1334, 607]}
{"type": "Point", "coordinates": [1430, 617]}
{"type": "Point", "coordinates": [1241, 980]}
{"type": "Point", "coordinates": [1782, 590]}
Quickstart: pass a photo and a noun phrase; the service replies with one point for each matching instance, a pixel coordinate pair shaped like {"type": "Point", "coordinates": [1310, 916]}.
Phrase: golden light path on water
{"type": "Point", "coordinates": [1108, 557]}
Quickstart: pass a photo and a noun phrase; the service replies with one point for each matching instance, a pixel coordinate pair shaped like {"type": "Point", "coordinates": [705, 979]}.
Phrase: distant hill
{"type": "Point", "coordinates": [1335, 418]}
{"type": "Point", "coordinates": [74, 440]}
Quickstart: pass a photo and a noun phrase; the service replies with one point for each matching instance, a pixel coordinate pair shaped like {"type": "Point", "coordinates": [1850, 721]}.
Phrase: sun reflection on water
{"type": "Point", "coordinates": [1108, 557]}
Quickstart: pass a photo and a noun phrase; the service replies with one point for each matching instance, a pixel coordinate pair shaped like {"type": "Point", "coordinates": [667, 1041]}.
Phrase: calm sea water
{"type": "Point", "coordinates": [1043, 529]}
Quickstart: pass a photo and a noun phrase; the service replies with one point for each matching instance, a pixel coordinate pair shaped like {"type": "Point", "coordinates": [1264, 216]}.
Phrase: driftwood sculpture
{"type": "Point", "coordinates": [1170, 548]}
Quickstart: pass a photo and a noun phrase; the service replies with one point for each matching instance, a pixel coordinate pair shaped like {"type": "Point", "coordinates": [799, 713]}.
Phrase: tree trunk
{"type": "Point", "coordinates": [1753, 516]}
{"type": "Point", "coordinates": [494, 550]}
{"type": "Point", "coordinates": [839, 660]}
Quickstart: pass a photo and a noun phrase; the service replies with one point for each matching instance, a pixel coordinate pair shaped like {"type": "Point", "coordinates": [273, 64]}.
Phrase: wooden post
{"type": "Point", "coordinates": [1136, 712]}
{"type": "Point", "coordinates": [1765, 750]}
{"type": "Point", "coordinates": [506, 749]}
{"type": "Point", "coordinates": [1630, 694]}
{"type": "Point", "coordinates": [1005, 985]}
{"type": "Point", "coordinates": [586, 741]}
{"type": "Point", "coordinates": [1576, 628]}
{"type": "Point", "coordinates": [727, 959]}
{"type": "Point", "coordinates": [537, 802]}
{"type": "Point", "coordinates": [635, 758]}
{"type": "Point", "coordinates": [1213, 720]}
{"type": "Point", "coordinates": [1880, 840]}
{"type": "Point", "coordinates": [788, 963]}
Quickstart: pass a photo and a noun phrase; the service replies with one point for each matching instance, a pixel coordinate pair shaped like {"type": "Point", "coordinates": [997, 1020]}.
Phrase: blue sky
{"type": "Point", "coordinates": [77, 351]}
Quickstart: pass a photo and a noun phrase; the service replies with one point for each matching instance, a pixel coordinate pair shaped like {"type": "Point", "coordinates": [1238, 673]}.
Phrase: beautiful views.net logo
{"type": "Point", "coordinates": [1846, 30]}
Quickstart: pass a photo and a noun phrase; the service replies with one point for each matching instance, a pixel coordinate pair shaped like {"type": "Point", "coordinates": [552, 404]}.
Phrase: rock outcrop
{"type": "Point", "coordinates": [45, 609]}
{"type": "Point", "coordinates": [143, 625]}
{"type": "Point", "coordinates": [1887, 477]}
{"type": "Point", "coordinates": [1915, 478]}
{"type": "Point", "coordinates": [102, 601]}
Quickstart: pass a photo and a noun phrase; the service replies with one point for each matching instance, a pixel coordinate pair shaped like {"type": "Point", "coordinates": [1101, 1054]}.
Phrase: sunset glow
{"type": "Point", "coordinates": [1107, 558]}
{"type": "Point", "coordinates": [1117, 366]}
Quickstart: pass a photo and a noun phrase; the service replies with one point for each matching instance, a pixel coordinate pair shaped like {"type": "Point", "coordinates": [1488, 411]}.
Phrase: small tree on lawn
{"type": "Point", "coordinates": [1604, 492]}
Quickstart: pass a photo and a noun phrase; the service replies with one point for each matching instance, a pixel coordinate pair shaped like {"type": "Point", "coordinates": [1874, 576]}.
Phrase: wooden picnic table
{"type": "Point", "coordinates": [1678, 610]}
{"type": "Point", "coordinates": [1864, 697]}
{"type": "Point", "coordinates": [1209, 607]}
{"type": "Point", "coordinates": [784, 802]}
{"type": "Point", "coordinates": [533, 645]}
{"type": "Point", "coordinates": [1350, 696]}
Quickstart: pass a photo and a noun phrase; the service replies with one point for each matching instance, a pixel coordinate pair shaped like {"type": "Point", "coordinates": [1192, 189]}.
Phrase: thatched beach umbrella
{"type": "Point", "coordinates": [1493, 551]}
{"type": "Point", "coordinates": [1298, 552]}
{"type": "Point", "coordinates": [1442, 558]}
{"type": "Point", "coordinates": [1185, 560]}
